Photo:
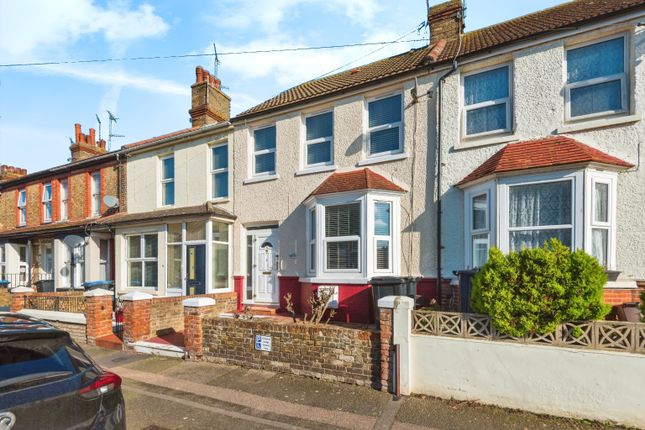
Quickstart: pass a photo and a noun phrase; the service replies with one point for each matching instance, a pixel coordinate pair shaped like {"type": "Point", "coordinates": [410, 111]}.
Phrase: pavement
{"type": "Point", "coordinates": [166, 393]}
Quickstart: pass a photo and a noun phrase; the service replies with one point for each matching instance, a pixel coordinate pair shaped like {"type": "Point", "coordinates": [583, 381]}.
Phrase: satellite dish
{"type": "Point", "coordinates": [73, 241]}
{"type": "Point", "coordinates": [111, 202]}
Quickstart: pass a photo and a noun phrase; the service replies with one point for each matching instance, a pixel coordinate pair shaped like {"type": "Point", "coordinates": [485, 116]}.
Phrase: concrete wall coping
{"type": "Point", "coordinates": [396, 302]}
{"type": "Point", "coordinates": [67, 317]}
{"type": "Point", "coordinates": [22, 290]}
{"type": "Point", "coordinates": [136, 296]}
{"type": "Point", "coordinates": [98, 292]}
{"type": "Point", "coordinates": [198, 302]}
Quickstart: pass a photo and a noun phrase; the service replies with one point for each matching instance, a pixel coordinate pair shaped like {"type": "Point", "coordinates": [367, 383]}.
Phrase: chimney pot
{"type": "Point", "coordinates": [77, 130]}
{"type": "Point", "coordinates": [199, 74]}
{"type": "Point", "coordinates": [92, 139]}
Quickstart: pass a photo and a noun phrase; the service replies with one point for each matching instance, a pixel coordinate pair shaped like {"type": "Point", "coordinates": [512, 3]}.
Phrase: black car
{"type": "Point", "coordinates": [48, 382]}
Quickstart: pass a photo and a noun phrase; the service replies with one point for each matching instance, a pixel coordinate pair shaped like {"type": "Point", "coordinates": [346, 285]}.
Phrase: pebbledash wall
{"type": "Point", "coordinates": [328, 352]}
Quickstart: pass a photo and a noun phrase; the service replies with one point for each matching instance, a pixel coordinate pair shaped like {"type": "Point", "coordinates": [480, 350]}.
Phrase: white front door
{"type": "Point", "coordinates": [265, 255]}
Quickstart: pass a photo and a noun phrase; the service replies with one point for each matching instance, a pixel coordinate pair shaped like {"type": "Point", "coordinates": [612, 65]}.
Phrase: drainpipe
{"type": "Point", "coordinates": [452, 70]}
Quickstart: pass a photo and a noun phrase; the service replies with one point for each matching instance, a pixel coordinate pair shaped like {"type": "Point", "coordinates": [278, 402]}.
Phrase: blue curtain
{"type": "Point", "coordinates": [593, 61]}
{"type": "Point", "coordinates": [320, 126]}
{"type": "Point", "coordinates": [319, 152]}
{"type": "Point", "coordinates": [489, 85]}
{"type": "Point", "coordinates": [220, 157]}
{"type": "Point", "coordinates": [385, 111]}
{"type": "Point", "coordinates": [264, 138]}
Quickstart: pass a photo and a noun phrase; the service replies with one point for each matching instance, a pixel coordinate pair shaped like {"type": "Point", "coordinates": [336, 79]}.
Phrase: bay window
{"type": "Point", "coordinates": [264, 148]}
{"type": "Point", "coordinates": [3, 262]}
{"type": "Point", "coordinates": [480, 230]}
{"type": "Point", "coordinates": [596, 82]}
{"type": "Point", "coordinates": [487, 101]}
{"type": "Point", "coordinates": [538, 212]}
{"type": "Point", "coordinates": [342, 237]}
{"type": "Point", "coordinates": [142, 256]}
{"type": "Point", "coordinates": [220, 255]}
{"type": "Point", "coordinates": [174, 239]}
{"type": "Point", "coordinates": [47, 202]}
{"type": "Point", "coordinates": [353, 236]}
{"type": "Point", "coordinates": [319, 132]}
{"type": "Point", "coordinates": [385, 131]}
{"type": "Point", "coordinates": [383, 235]}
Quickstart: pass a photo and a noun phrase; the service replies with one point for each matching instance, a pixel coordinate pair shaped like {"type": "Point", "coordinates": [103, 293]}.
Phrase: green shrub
{"type": "Point", "coordinates": [534, 290]}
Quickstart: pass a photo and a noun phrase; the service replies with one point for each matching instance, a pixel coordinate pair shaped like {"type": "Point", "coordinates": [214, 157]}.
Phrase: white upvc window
{"type": "Point", "coordinates": [311, 240]}
{"type": "Point", "coordinates": [342, 238]}
{"type": "Point", "coordinates": [480, 228]}
{"type": "Point", "coordinates": [382, 236]}
{"type": "Point", "coordinates": [264, 151]}
{"type": "Point", "coordinates": [3, 262]}
{"type": "Point", "coordinates": [167, 180]}
{"type": "Point", "coordinates": [64, 199]}
{"type": "Point", "coordinates": [219, 171]}
{"type": "Point", "coordinates": [540, 211]}
{"type": "Point", "coordinates": [142, 259]}
{"type": "Point", "coordinates": [600, 235]}
{"type": "Point", "coordinates": [96, 194]}
{"type": "Point", "coordinates": [597, 78]}
{"type": "Point", "coordinates": [47, 202]}
{"type": "Point", "coordinates": [487, 101]}
{"type": "Point", "coordinates": [319, 139]}
{"type": "Point", "coordinates": [221, 260]}
{"type": "Point", "coordinates": [22, 207]}
{"type": "Point", "coordinates": [384, 126]}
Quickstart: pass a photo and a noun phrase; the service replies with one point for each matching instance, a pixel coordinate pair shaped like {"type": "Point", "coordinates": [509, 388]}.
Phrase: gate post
{"type": "Point", "coordinates": [396, 327]}
{"type": "Point", "coordinates": [194, 311]}
{"type": "Point", "coordinates": [136, 316]}
{"type": "Point", "coordinates": [98, 314]}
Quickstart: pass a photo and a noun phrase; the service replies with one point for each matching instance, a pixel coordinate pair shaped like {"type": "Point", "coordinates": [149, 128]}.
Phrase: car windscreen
{"type": "Point", "coordinates": [30, 361]}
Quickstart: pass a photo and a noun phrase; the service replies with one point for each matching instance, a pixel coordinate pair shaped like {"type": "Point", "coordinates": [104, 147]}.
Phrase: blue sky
{"type": "Point", "coordinates": [39, 105]}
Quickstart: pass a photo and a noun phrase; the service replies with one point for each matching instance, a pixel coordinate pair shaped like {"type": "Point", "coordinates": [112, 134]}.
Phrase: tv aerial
{"type": "Point", "coordinates": [112, 120]}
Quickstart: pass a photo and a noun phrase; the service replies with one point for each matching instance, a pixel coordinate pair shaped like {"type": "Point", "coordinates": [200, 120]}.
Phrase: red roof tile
{"type": "Point", "coordinates": [547, 152]}
{"type": "Point", "coordinates": [363, 179]}
{"type": "Point", "coordinates": [570, 14]}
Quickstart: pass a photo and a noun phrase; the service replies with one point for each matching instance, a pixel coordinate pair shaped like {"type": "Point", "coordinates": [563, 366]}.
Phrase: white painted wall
{"type": "Point", "coordinates": [192, 175]}
{"type": "Point", "coordinates": [584, 384]}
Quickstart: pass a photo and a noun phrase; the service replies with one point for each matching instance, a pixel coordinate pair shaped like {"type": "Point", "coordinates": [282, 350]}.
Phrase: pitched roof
{"type": "Point", "coordinates": [546, 152]}
{"type": "Point", "coordinates": [563, 16]}
{"type": "Point", "coordinates": [363, 179]}
{"type": "Point", "coordinates": [157, 138]}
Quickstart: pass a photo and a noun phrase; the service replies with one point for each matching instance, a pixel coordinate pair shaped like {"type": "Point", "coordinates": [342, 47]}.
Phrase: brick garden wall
{"type": "Point", "coordinates": [5, 297]}
{"type": "Point", "coordinates": [328, 352]}
{"type": "Point", "coordinates": [167, 313]}
{"type": "Point", "coordinates": [77, 331]}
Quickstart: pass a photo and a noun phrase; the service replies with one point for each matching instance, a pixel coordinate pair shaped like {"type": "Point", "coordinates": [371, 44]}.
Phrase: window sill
{"type": "Point", "coordinates": [257, 179]}
{"type": "Point", "coordinates": [220, 200]}
{"type": "Point", "coordinates": [475, 142]}
{"type": "Point", "coordinates": [598, 123]}
{"type": "Point", "coordinates": [334, 280]}
{"type": "Point", "coordinates": [382, 159]}
{"type": "Point", "coordinates": [317, 169]}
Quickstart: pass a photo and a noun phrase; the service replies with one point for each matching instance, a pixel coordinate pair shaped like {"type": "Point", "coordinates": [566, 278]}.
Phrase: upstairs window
{"type": "Point", "coordinates": [597, 78]}
{"type": "Point", "coordinates": [342, 237]}
{"type": "Point", "coordinates": [47, 202]}
{"type": "Point", "coordinates": [219, 171]}
{"type": "Point", "coordinates": [168, 181]}
{"type": "Point", "coordinates": [264, 151]}
{"type": "Point", "coordinates": [319, 139]}
{"type": "Point", "coordinates": [487, 103]}
{"type": "Point", "coordinates": [22, 207]}
{"type": "Point", "coordinates": [538, 212]}
{"type": "Point", "coordinates": [96, 194]}
{"type": "Point", "coordinates": [64, 199]}
{"type": "Point", "coordinates": [384, 134]}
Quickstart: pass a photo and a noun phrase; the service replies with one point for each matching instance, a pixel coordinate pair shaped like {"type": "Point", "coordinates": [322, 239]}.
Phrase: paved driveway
{"type": "Point", "coordinates": [164, 393]}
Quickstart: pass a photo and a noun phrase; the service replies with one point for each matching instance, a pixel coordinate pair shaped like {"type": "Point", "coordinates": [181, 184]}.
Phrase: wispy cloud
{"type": "Point", "coordinates": [120, 78]}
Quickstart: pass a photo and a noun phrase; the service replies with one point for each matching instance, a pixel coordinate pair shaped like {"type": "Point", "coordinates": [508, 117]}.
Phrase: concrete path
{"type": "Point", "coordinates": [165, 393]}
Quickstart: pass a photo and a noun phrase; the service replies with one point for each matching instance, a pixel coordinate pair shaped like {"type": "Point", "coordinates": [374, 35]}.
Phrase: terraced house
{"type": "Point", "coordinates": [38, 210]}
{"type": "Point", "coordinates": [419, 163]}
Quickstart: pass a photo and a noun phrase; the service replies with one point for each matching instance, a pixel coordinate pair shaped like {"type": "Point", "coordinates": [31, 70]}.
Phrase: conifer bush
{"type": "Point", "coordinates": [535, 290]}
{"type": "Point", "coordinates": [643, 305]}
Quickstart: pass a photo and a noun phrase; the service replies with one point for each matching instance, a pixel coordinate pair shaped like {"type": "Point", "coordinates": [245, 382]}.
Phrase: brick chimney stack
{"type": "Point", "coordinates": [446, 21]}
{"type": "Point", "coordinates": [209, 104]}
{"type": "Point", "coordinates": [85, 145]}
{"type": "Point", "coordinates": [8, 173]}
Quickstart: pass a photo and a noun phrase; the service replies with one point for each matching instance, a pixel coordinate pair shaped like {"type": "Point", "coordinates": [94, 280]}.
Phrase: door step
{"type": "Point", "coordinates": [268, 310]}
